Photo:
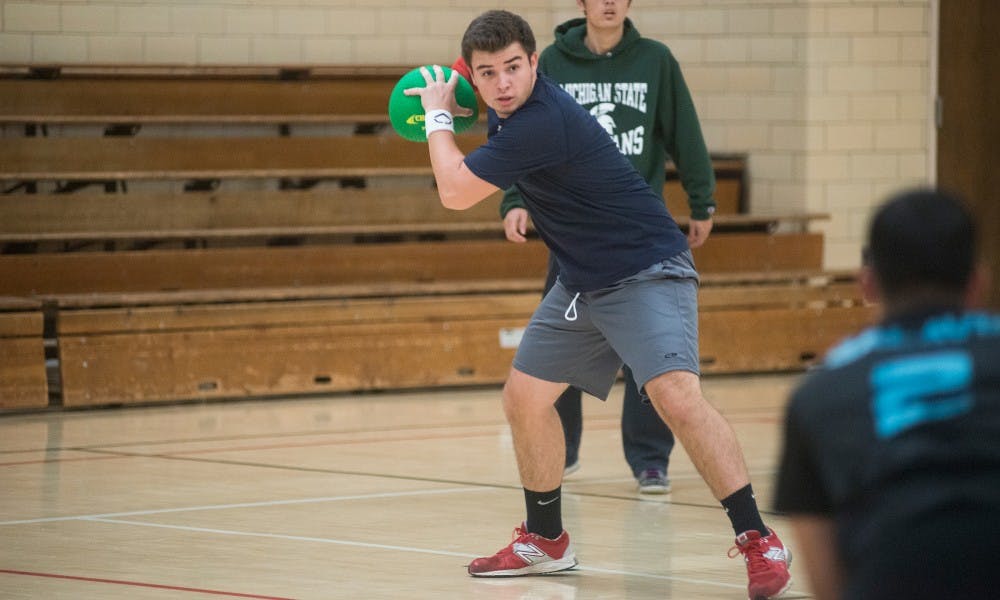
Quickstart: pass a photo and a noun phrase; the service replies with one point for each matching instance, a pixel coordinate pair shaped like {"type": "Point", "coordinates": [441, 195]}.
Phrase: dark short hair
{"type": "Point", "coordinates": [493, 31]}
{"type": "Point", "coordinates": [922, 239]}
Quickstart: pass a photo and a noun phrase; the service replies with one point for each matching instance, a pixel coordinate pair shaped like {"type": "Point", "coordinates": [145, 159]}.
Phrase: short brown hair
{"type": "Point", "coordinates": [493, 31]}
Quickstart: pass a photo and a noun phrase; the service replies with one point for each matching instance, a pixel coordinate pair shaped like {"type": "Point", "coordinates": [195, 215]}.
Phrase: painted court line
{"type": "Point", "coordinates": [298, 538]}
{"type": "Point", "coordinates": [161, 511]}
{"type": "Point", "coordinates": [449, 435]}
{"type": "Point", "coordinates": [325, 541]}
{"type": "Point", "coordinates": [158, 586]}
{"type": "Point", "coordinates": [281, 536]}
{"type": "Point", "coordinates": [39, 461]}
{"type": "Point", "coordinates": [664, 577]}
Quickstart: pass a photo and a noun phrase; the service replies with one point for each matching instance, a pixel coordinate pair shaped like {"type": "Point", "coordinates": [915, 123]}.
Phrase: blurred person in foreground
{"type": "Point", "coordinates": [890, 472]}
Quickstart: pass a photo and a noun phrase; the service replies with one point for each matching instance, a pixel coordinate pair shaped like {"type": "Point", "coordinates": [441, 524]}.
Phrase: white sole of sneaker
{"type": "Point", "coordinates": [550, 566]}
{"type": "Point", "coordinates": [654, 489]}
{"type": "Point", "coordinates": [780, 593]}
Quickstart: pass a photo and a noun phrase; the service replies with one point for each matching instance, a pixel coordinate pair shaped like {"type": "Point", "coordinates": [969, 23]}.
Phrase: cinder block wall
{"type": "Point", "coordinates": [830, 98]}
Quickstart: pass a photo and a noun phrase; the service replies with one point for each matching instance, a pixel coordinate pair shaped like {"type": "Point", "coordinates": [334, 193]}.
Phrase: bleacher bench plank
{"type": "Point", "coordinates": [150, 94]}
{"type": "Point", "coordinates": [755, 252]}
{"type": "Point", "coordinates": [153, 216]}
{"type": "Point", "coordinates": [168, 271]}
{"type": "Point", "coordinates": [372, 289]}
{"type": "Point", "coordinates": [90, 158]}
{"type": "Point", "coordinates": [91, 70]}
{"type": "Point", "coordinates": [789, 293]}
{"type": "Point", "coordinates": [251, 362]}
{"type": "Point", "coordinates": [774, 339]}
{"type": "Point", "coordinates": [162, 354]}
{"type": "Point", "coordinates": [717, 289]}
{"type": "Point", "coordinates": [793, 293]}
{"type": "Point", "coordinates": [157, 354]}
{"type": "Point", "coordinates": [103, 158]}
{"type": "Point", "coordinates": [194, 100]}
{"type": "Point", "coordinates": [377, 289]}
{"type": "Point", "coordinates": [23, 380]}
{"type": "Point", "coordinates": [164, 216]}
{"type": "Point", "coordinates": [289, 314]}
{"type": "Point", "coordinates": [77, 273]}
{"type": "Point", "coordinates": [729, 196]}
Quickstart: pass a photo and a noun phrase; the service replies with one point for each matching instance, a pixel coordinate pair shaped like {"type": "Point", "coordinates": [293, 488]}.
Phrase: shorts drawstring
{"type": "Point", "coordinates": [571, 309]}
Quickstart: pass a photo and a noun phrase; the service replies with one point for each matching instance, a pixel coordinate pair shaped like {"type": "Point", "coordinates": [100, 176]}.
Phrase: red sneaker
{"type": "Point", "coordinates": [767, 562]}
{"type": "Point", "coordinates": [527, 554]}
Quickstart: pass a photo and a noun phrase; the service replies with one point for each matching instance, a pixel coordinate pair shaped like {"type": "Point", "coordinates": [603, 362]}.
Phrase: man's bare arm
{"type": "Point", "coordinates": [817, 547]}
{"type": "Point", "coordinates": [458, 187]}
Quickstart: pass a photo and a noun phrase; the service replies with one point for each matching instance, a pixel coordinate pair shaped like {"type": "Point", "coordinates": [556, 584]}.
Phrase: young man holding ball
{"type": "Point", "coordinates": [634, 86]}
{"type": "Point", "coordinates": [627, 291]}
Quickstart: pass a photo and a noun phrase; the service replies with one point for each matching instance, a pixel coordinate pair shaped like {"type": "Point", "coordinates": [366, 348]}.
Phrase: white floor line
{"type": "Point", "coordinates": [161, 511]}
{"type": "Point", "coordinates": [581, 477]}
{"type": "Point", "coordinates": [299, 538]}
{"type": "Point", "coordinates": [665, 577]}
{"type": "Point", "coordinates": [279, 536]}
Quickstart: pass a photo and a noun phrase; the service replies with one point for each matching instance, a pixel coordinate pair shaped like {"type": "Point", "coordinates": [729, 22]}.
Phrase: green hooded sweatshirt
{"type": "Point", "coordinates": [636, 91]}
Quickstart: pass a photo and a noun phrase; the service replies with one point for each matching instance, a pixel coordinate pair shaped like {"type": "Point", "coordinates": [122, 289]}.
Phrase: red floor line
{"type": "Point", "coordinates": [283, 446]}
{"type": "Point", "coordinates": [410, 438]}
{"type": "Point", "coordinates": [288, 446]}
{"type": "Point", "coordinates": [140, 584]}
{"type": "Point", "coordinates": [244, 448]}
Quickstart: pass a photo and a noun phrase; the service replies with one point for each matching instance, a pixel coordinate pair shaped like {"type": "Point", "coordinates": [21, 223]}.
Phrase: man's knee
{"type": "Point", "coordinates": [523, 393]}
{"type": "Point", "coordinates": [676, 395]}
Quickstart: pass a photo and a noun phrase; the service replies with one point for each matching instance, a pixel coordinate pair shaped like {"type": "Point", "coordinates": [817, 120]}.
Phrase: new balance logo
{"type": "Point", "coordinates": [529, 553]}
{"type": "Point", "coordinates": [775, 553]}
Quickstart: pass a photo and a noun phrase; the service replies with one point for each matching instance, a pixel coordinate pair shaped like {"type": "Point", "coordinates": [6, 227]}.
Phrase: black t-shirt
{"type": "Point", "coordinates": [899, 429]}
{"type": "Point", "coordinates": [592, 208]}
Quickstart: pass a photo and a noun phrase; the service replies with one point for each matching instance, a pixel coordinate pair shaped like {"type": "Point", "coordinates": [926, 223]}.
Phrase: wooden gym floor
{"type": "Point", "coordinates": [373, 496]}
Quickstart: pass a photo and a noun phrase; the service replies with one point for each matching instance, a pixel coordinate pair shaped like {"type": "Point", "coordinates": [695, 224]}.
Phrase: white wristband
{"type": "Point", "coordinates": [438, 119]}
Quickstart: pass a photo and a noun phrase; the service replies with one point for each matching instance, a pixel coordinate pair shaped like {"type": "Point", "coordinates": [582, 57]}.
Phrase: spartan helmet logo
{"type": "Point", "coordinates": [602, 112]}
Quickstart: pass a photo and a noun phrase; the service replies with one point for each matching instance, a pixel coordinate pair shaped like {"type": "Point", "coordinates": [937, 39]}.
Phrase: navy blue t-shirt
{"type": "Point", "coordinates": [590, 206]}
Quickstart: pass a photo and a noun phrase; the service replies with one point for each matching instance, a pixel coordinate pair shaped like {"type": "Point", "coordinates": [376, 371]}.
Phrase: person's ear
{"type": "Point", "coordinates": [868, 282]}
{"type": "Point", "coordinates": [976, 291]}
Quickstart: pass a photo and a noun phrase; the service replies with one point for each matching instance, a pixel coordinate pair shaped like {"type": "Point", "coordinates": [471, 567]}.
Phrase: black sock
{"type": "Point", "coordinates": [741, 508]}
{"type": "Point", "coordinates": [544, 512]}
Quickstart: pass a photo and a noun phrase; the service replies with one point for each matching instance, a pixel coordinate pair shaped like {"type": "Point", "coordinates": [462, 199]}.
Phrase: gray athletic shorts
{"type": "Point", "coordinates": [649, 321]}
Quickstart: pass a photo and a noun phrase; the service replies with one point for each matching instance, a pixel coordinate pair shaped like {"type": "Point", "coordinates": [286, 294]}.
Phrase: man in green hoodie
{"type": "Point", "coordinates": [634, 88]}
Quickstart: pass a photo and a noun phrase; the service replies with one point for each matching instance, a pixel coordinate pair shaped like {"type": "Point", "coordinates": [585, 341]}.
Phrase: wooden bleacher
{"type": "Point", "coordinates": [88, 216]}
{"type": "Point", "coordinates": [109, 94]}
{"type": "Point", "coordinates": [23, 380]}
{"type": "Point", "coordinates": [163, 353]}
{"type": "Point", "coordinates": [153, 296]}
